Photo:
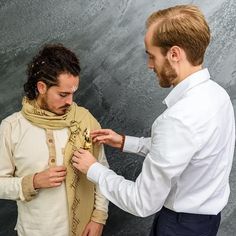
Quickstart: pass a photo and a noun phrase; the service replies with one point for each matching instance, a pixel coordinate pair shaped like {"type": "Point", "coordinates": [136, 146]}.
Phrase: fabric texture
{"type": "Point", "coordinates": [188, 158]}
{"type": "Point", "coordinates": [80, 191]}
{"type": "Point", "coordinates": [170, 223]}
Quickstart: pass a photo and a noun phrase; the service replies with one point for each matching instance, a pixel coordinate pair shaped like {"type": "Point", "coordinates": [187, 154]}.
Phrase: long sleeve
{"type": "Point", "coordinates": [100, 213]}
{"type": "Point", "coordinates": [140, 146]}
{"type": "Point", "coordinates": [161, 167]}
{"type": "Point", "coordinates": [10, 187]}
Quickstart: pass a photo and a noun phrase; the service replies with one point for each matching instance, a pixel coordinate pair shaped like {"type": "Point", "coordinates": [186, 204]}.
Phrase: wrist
{"type": "Point", "coordinates": [35, 185]}
{"type": "Point", "coordinates": [122, 142]}
{"type": "Point", "coordinates": [28, 191]}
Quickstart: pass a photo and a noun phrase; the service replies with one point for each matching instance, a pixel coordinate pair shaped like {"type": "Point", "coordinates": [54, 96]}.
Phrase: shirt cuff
{"type": "Point", "coordinates": [131, 144]}
{"type": "Point", "coordinates": [99, 216]}
{"type": "Point", "coordinates": [95, 171]}
{"type": "Point", "coordinates": [28, 188]}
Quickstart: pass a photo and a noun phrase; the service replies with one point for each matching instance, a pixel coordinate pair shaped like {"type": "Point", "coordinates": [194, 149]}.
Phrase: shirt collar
{"type": "Point", "coordinates": [180, 89]}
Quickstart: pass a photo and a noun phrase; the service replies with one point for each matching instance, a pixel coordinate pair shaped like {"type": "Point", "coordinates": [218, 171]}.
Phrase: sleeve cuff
{"type": "Point", "coordinates": [28, 188]}
{"type": "Point", "coordinates": [99, 216]}
{"type": "Point", "coordinates": [131, 144]}
{"type": "Point", "coordinates": [95, 171]}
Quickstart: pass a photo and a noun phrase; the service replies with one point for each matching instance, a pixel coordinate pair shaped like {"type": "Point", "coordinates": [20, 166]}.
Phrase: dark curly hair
{"type": "Point", "coordinates": [51, 61]}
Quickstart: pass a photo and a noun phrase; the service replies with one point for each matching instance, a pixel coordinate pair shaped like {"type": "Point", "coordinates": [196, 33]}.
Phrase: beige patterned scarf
{"type": "Point", "coordinates": [80, 191]}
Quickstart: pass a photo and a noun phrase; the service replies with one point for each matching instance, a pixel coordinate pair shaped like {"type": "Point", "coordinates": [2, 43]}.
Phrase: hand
{"type": "Point", "coordinates": [82, 160]}
{"type": "Point", "coordinates": [93, 229]}
{"type": "Point", "coordinates": [49, 178]}
{"type": "Point", "coordinates": [107, 136]}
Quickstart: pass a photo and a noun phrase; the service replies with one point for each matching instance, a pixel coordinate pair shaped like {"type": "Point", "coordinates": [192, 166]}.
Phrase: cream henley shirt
{"type": "Point", "coordinates": [24, 151]}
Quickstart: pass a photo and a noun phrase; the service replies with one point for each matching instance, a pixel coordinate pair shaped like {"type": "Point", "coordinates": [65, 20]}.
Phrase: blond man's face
{"type": "Point", "coordinates": [158, 62]}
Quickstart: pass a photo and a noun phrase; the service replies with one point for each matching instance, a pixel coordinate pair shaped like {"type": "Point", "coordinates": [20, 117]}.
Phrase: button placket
{"type": "Point", "coordinates": [51, 148]}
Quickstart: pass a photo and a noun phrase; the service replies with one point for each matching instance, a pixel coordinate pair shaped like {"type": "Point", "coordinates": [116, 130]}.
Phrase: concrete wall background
{"type": "Point", "coordinates": [116, 85]}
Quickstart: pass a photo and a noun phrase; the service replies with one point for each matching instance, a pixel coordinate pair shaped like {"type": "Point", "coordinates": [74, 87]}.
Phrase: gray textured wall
{"type": "Point", "coordinates": [115, 83]}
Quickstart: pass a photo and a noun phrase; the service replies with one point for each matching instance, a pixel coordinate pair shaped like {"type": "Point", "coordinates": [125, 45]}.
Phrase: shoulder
{"type": "Point", "coordinates": [11, 123]}
{"type": "Point", "coordinates": [12, 119]}
{"type": "Point", "coordinates": [87, 117]}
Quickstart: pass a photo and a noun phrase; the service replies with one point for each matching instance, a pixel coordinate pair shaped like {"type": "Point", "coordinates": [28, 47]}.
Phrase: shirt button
{"type": "Point", "coordinates": [52, 160]}
{"type": "Point", "coordinates": [50, 140]}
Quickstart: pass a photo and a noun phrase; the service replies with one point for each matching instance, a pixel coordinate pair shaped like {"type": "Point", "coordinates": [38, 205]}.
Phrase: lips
{"type": "Point", "coordinates": [156, 73]}
{"type": "Point", "coordinates": [64, 107]}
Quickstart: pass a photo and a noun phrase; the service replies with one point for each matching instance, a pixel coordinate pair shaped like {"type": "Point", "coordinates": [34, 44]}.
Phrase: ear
{"type": "Point", "coordinates": [42, 87]}
{"type": "Point", "coordinates": [175, 54]}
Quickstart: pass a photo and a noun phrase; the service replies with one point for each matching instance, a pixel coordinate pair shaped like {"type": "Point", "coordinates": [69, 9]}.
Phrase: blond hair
{"type": "Point", "coordinates": [184, 26]}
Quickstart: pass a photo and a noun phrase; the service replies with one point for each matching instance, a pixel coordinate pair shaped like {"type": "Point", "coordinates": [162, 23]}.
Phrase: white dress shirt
{"type": "Point", "coordinates": [188, 157]}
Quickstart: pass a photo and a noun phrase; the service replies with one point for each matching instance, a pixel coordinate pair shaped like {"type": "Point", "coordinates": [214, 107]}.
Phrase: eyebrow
{"type": "Point", "coordinates": [65, 92]}
{"type": "Point", "coordinates": [150, 54]}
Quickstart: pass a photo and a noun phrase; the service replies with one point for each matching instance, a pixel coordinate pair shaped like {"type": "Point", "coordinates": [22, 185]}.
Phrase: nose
{"type": "Point", "coordinates": [150, 64]}
{"type": "Point", "coordinates": [69, 99]}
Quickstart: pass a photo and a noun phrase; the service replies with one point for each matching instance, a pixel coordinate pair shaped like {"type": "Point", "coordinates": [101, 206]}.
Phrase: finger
{"type": "Point", "coordinates": [57, 171]}
{"type": "Point", "coordinates": [100, 132]}
{"type": "Point", "coordinates": [102, 138]}
{"type": "Point", "coordinates": [97, 135]}
{"type": "Point", "coordinates": [58, 180]}
{"type": "Point", "coordinates": [76, 165]}
{"type": "Point", "coordinates": [75, 159]}
{"type": "Point", "coordinates": [102, 142]}
{"type": "Point", "coordinates": [76, 153]}
{"type": "Point", "coordinates": [85, 232]}
{"type": "Point", "coordinates": [79, 152]}
{"type": "Point", "coordinates": [56, 174]}
{"type": "Point", "coordinates": [82, 151]}
{"type": "Point", "coordinates": [56, 184]}
{"type": "Point", "coordinates": [59, 168]}
{"type": "Point", "coordinates": [60, 174]}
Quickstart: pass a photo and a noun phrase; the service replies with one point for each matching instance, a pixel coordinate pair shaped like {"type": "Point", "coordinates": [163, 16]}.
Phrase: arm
{"type": "Point", "coordinates": [129, 144]}
{"type": "Point", "coordinates": [22, 187]}
{"type": "Point", "coordinates": [161, 167]}
{"type": "Point", "coordinates": [100, 212]}
{"type": "Point", "coordinates": [135, 145]}
{"type": "Point", "coordinates": [11, 187]}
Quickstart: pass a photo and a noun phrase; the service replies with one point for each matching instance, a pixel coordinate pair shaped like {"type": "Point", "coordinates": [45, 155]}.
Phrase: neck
{"type": "Point", "coordinates": [186, 71]}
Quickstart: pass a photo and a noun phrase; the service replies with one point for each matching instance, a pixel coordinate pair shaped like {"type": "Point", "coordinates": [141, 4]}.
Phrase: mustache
{"type": "Point", "coordinates": [156, 72]}
{"type": "Point", "coordinates": [65, 107]}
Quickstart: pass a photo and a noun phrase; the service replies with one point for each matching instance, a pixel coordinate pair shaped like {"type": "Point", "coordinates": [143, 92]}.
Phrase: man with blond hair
{"type": "Point", "coordinates": [185, 175]}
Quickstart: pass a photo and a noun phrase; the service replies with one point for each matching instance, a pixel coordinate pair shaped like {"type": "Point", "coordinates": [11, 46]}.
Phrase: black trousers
{"type": "Point", "coordinates": [170, 223]}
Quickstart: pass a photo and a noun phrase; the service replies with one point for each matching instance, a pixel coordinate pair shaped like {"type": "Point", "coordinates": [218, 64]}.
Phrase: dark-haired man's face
{"type": "Point", "coordinates": [57, 99]}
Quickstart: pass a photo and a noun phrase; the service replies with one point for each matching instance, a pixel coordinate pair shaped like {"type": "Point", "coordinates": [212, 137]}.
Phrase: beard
{"type": "Point", "coordinates": [60, 111]}
{"type": "Point", "coordinates": [166, 75]}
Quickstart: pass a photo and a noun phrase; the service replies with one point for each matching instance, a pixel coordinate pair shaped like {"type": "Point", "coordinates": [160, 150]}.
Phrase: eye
{"type": "Point", "coordinates": [151, 57]}
{"type": "Point", "coordinates": [63, 95]}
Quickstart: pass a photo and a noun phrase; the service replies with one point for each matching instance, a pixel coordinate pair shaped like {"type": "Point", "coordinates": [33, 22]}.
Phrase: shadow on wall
{"type": "Point", "coordinates": [115, 83]}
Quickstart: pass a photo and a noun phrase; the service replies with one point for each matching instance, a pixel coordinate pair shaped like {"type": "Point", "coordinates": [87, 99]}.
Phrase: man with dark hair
{"type": "Point", "coordinates": [185, 175]}
{"type": "Point", "coordinates": [36, 146]}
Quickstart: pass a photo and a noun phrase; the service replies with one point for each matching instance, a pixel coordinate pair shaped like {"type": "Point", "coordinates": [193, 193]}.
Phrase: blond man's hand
{"type": "Point", "coordinates": [108, 137]}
